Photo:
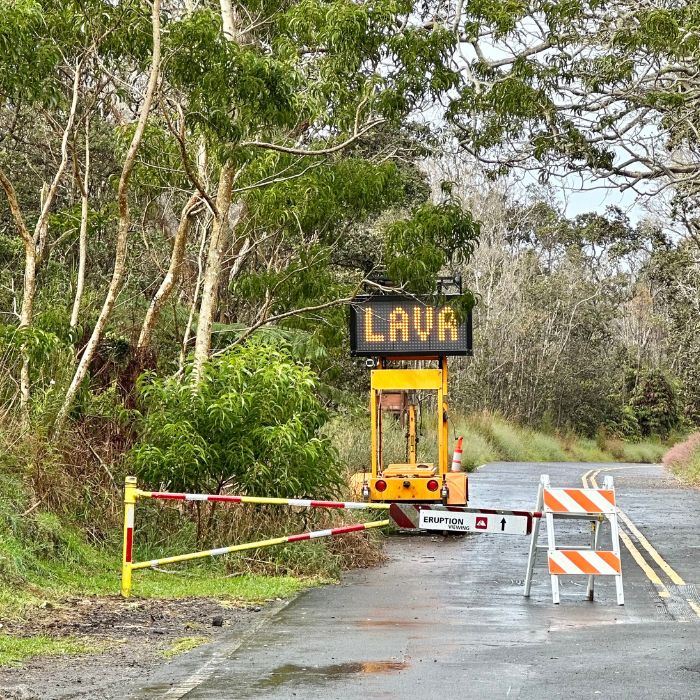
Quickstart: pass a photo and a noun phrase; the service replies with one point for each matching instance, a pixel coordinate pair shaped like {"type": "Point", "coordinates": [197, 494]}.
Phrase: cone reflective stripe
{"type": "Point", "coordinates": [300, 502]}
{"type": "Point", "coordinates": [579, 500]}
{"type": "Point", "coordinates": [563, 561]}
{"type": "Point", "coordinates": [457, 457]}
{"type": "Point", "coordinates": [261, 543]}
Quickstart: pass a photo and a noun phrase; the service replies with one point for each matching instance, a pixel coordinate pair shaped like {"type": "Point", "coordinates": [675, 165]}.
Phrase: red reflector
{"type": "Point", "coordinates": [380, 485]}
{"type": "Point", "coordinates": [433, 485]}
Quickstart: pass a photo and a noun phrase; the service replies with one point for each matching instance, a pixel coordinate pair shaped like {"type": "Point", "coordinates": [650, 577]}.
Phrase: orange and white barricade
{"type": "Point", "coordinates": [595, 505]}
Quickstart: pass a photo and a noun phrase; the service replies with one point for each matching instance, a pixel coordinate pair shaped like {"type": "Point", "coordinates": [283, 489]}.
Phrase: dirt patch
{"type": "Point", "coordinates": [134, 632]}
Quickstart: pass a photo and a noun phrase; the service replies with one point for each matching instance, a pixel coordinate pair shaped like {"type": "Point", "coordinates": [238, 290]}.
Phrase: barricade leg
{"type": "Point", "coordinates": [608, 484]}
{"type": "Point", "coordinates": [127, 557]}
{"type": "Point", "coordinates": [596, 526]}
{"type": "Point", "coordinates": [551, 544]}
{"type": "Point", "coordinates": [533, 541]}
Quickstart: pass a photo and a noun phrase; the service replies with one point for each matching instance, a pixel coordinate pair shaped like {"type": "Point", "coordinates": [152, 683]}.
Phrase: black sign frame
{"type": "Point", "coordinates": [362, 300]}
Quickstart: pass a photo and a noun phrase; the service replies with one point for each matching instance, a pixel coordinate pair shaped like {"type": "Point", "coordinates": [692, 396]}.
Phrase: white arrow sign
{"type": "Point", "coordinates": [473, 522]}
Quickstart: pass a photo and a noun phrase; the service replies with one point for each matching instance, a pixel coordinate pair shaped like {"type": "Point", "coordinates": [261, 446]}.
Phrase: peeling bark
{"type": "Point", "coordinates": [80, 286]}
{"type": "Point", "coordinates": [217, 246]}
{"type": "Point", "coordinates": [123, 232]}
{"type": "Point", "coordinates": [171, 277]}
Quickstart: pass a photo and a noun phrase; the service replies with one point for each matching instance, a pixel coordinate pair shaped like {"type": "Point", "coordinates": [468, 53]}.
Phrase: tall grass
{"type": "Point", "coordinates": [487, 438]}
{"type": "Point", "coordinates": [683, 459]}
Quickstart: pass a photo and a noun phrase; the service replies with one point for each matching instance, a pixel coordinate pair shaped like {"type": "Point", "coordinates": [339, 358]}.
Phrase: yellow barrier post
{"type": "Point", "coordinates": [129, 503]}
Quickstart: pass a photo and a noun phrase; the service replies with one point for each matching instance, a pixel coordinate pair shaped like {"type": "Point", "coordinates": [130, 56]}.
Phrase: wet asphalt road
{"type": "Point", "coordinates": [446, 618]}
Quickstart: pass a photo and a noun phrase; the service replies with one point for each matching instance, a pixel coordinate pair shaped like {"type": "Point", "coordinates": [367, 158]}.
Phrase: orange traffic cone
{"type": "Point", "coordinates": [457, 457]}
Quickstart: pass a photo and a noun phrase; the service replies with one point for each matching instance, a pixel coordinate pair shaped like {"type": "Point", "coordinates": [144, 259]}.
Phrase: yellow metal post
{"type": "Point", "coordinates": [441, 433]}
{"type": "Point", "coordinates": [130, 488]}
{"type": "Point", "coordinates": [373, 415]}
{"type": "Point", "coordinates": [444, 457]}
{"type": "Point", "coordinates": [412, 447]}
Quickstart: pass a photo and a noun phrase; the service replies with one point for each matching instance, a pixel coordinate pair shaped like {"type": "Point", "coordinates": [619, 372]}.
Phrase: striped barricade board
{"type": "Point", "coordinates": [423, 516]}
{"type": "Point", "coordinates": [579, 501]}
{"type": "Point", "coordinates": [576, 561]}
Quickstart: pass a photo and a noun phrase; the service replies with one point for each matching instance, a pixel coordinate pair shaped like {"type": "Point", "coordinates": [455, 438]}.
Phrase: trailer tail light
{"type": "Point", "coordinates": [380, 485]}
{"type": "Point", "coordinates": [433, 485]}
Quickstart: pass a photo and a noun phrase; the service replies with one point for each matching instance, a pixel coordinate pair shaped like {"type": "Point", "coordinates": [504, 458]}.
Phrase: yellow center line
{"type": "Point", "coordinates": [650, 573]}
{"type": "Point", "coordinates": [631, 548]}
{"type": "Point", "coordinates": [665, 567]}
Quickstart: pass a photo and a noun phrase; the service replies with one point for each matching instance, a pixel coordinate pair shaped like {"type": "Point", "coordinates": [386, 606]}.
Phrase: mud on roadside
{"type": "Point", "coordinates": [133, 633]}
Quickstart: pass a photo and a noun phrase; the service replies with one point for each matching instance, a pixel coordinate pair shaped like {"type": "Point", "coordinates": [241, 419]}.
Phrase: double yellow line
{"type": "Point", "coordinates": [636, 554]}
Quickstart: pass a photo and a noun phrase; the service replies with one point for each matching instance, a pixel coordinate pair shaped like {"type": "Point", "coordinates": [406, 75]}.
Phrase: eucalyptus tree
{"type": "Point", "coordinates": [50, 79]}
{"type": "Point", "coordinates": [279, 97]}
{"type": "Point", "coordinates": [606, 89]}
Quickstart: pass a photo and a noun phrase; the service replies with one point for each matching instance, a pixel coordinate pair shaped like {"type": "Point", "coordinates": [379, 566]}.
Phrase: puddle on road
{"type": "Point", "coordinates": [291, 673]}
{"type": "Point", "coordinates": [220, 683]}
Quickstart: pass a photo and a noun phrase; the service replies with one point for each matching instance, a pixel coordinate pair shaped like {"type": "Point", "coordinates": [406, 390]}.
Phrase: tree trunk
{"type": "Point", "coordinates": [123, 232]}
{"type": "Point", "coordinates": [35, 244]}
{"type": "Point", "coordinates": [228, 19]}
{"type": "Point", "coordinates": [217, 247]}
{"type": "Point", "coordinates": [25, 320]}
{"type": "Point", "coordinates": [83, 231]}
{"type": "Point", "coordinates": [195, 298]}
{"type": "Point", "coordinates": [171, 276]}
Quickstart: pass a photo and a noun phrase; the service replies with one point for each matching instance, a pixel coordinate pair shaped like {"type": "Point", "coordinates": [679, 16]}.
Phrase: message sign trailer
{"type": "Point", "coordinates": [393, 329]}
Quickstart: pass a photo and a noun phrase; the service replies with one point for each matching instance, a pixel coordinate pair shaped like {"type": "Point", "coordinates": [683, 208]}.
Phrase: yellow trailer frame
{"type": "Point", "coordinates": [412, 481]}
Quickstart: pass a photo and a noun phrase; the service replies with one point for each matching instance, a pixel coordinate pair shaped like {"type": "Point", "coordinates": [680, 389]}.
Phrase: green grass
{"type": "Point", "coordinates": [246, 589]}
{"type": "Point", "coordinates": [183, 644]}
{"type": "Point", "coordinates": [487, 438]}
{"type": "Point", "coordinates": [57, 582]}
{"type": "Point", "coordinates": [14, 650]}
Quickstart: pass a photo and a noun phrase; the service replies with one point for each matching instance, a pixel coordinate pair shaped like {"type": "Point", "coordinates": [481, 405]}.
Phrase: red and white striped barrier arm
{"type": "Point", "coordinates": [129, 540]}
{"type": "Point", "coordinates": [261, 543]}
{"type": "Point", "coordinates": [301, 502]}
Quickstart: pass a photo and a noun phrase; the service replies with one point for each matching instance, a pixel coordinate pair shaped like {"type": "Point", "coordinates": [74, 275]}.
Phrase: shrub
{"type": "Point", "coordinates": [683, 459]}
{"type": "Point", "coordinates": [252, 424]}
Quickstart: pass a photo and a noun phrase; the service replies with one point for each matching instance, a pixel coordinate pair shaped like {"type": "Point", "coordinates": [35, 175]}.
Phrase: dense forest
{"type": "Point", "coordinates": [194, 194]}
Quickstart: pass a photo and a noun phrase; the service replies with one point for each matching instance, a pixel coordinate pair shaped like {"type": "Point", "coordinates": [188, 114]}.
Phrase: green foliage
{"type": "Point", "coordinates": [486, 438]}
{"type": "Point", "coordinates": [252, 425]}
{"type": "Point", "coordinates": [654, 400]}
{"type": "Point", "coordinates": [417, 249]}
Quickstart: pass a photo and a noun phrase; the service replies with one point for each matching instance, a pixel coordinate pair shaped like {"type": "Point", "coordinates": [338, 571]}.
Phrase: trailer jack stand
{"type": "Point", "coordinates": [444, 491]}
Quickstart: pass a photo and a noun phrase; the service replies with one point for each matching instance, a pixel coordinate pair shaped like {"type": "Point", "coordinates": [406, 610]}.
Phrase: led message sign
{"type": "Point", "coordinates": [393, 325]}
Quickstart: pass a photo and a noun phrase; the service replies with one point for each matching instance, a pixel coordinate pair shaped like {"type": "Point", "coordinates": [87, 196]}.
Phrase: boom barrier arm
{"type": "Point", "coordinates": [303, 503]}
{"type": "Point", "coordinates": [132, 493]}
{"type": "Point", "coordinates": [262, 543]}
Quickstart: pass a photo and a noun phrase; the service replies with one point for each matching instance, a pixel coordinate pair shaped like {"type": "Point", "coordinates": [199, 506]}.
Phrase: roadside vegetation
{"type": "Point", "coordinates": [683, 460]}
{"type": "Point", "coordinates": [488, 438]}
{"type": "Point", "coordinates": [184, 644]}
{"type": "Point", "coordinates": [14, 650]}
